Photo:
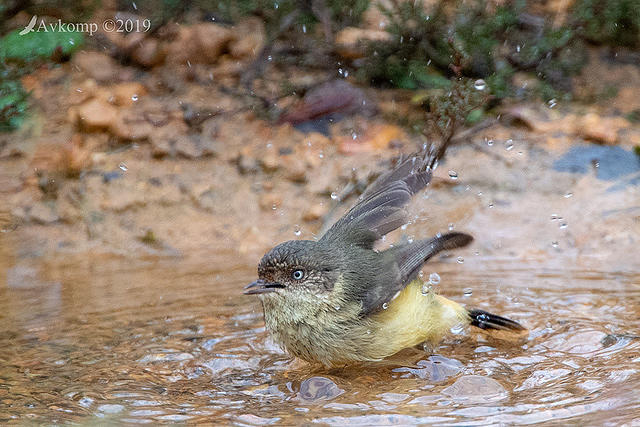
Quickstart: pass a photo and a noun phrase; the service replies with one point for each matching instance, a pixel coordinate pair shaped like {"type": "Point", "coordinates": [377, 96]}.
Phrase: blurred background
{"type": "Point", "coordinates": [152, 151]}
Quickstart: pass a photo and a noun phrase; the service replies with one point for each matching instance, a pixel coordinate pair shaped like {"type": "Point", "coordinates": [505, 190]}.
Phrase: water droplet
{"type": "Point", "coordinates": [563, 225]}
{"type": "Point", "coordinates": [334, 196]}
{"type": "Point", "coordinates": [552, 103]}
{"type": "Point", "coordinates": [368, 331]}
{"type": "Point", "coordinates": [490, 142]}
{"type": "Point", "coordinates": [453, 175]}
{"type": "Point", "coordinates": [508, 145]}
{"type": "Point", "coordinates": [134, 97]}
{"type": "Point", "coordinates": [554, 217]}
{"type": "Point", "coordinates": [385, 306]}
{"type": "Point", "coordinates": [304, 28]}
{"type": "Point", "coordinates": [555, 244]}
{"type": "Point", "coordinates": [457, 330]}
{"type": "Point", "coordinates": [480, 84]}
{"type": "Point", "coordinates": [123, 167]}
{"type": "Point", "coordinates": [426, 288]}
{"type": "Point", "coordinates": [434, 278]}
{"type": "Point", "coordinates": [404, 227]}
{"type": "Point", "coordinates": [337, 307]}
{"type": "Point", "coordinates": [450, 226]}
{"type": "Point", "coordinates": [410, 239]}
{"type": "Point", "coordinates": [274, 207]}
{"type": "Point", "coordinates": [269, 58]}
{"type": "Point", "coordinates": [566, 196]}
{"type": "Point", "coordinates": [460, 260]}
{"type": "Point", "coordinates": [490, 205]}
{"type": "Point", "coordinates": [296, 230]}
{"type": "Point", "coordinates": [467, 292]}
{"type": "Point", "coordinates": [85, 402]}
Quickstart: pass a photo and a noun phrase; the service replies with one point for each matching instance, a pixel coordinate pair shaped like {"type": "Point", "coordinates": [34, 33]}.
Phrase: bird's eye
{"type": "Point", "coordinates": [297, 275]}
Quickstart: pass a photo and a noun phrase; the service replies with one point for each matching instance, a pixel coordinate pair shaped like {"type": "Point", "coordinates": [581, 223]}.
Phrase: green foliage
{"type": "Point", "coordinates": [417, 50]}
{"type": "Point", "coordinates": [341, 12]}
{"type": "Point", "coordinates": [462, 103]}
{"type": "Point", "coordinates": [347, 12]}
{"type": "Point", "coordinates": [13, 100]}
{"type": "Point", "coordinates": [634, 116]}
{"type": "Point", "coordinates": [479, 40]}
{"type": "Point", "coordinates": [36, 46]}
{"type": "Point", "coordinates": [612, 22]}
{"type": "Point", "coordinates": [19, 54]}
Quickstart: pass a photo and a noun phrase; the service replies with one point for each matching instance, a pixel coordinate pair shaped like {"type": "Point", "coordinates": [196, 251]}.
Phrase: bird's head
{"type": "Point", "coordinates": [297, 270]}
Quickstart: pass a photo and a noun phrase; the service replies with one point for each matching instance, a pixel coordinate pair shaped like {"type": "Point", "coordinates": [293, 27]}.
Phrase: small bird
{"type": "Point", "coordinates": [337, 300]}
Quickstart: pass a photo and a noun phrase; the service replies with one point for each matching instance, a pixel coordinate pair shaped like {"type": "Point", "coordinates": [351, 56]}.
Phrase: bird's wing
{"type": "Point", "coordinates": [381, 208]}
{"type": "Point", "coordinates": [405, 261]}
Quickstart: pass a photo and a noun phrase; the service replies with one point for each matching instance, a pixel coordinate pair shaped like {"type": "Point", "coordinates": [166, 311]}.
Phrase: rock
{"type": "Point", "coordinates": [314, 212]}
{"type": "Point", "coordinates": [318, 388]}
{"type": "Point", "coordinates": [130, 127]}
{"type": "Point", "coordinates": [352, 42]}
{"type": "Point", "coordinates": [296, 169]}
{"type": "Point", "coordinates": [270, 161]}
{"type": "Point", "coordinates": [174, 140]}
{"type": "Point", "coordinates": [126, 94]}
{"type": "Point", "coordinates": [246, 161]}
{"type": "Point", "coordinates": [476, 388]}
{"type": "Point", "coordinates": [82, 92]}
{"type": "Point", "coordinates": [250, 38]}
{"type": "Point", "coordinates": [594, 127]}
{"type": "Point", "coordinates": [149, 54]}
{"type": "Point", "coordinates": [202, 43]}
{"type": "Point", "coordinates": [96, 115]}
{"type": "Point", "coordinates": [98, 66]}
{"type": "Point", "coordinates": [66, 158]}
{"type": "Point", "coordinates": [212, 40]}
{"type": "Point", "coordinates": [270, 201]}
{"type": "Point", "coordinates": [228, 66]}
{"type": "Point", "coordinates": [42, 213]}
{"type": "Point", "coordinates": [336, 96]}
{"type": "Point", "coordinates": [186, 146]}
{"type": "Point", "coordinates": [376, 137]}
{"type": "Point", "coordinates": [69, 204]}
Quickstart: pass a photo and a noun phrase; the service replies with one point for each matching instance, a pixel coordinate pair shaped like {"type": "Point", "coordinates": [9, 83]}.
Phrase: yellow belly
{"type": "Point", "coordinates": [413, 318]}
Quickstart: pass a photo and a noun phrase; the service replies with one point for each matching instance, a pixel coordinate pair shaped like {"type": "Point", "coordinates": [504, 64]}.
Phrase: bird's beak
{"type": "Point", "coordinates": [261, 287]}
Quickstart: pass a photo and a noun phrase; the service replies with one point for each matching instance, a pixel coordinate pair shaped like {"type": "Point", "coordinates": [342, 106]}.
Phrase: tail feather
{"type": "Point", "coordinates": [485, 320]}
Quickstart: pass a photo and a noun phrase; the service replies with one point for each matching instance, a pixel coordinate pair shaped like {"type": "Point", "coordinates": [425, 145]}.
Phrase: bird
{"type": "Point", "coordinates": [337, 300]}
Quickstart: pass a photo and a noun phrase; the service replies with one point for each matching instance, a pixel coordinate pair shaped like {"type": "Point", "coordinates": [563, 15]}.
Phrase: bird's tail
{"type": "Point", "coordinates": [485, 320]}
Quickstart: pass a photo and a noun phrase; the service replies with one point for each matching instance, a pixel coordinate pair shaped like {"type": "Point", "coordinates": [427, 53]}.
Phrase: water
{"type": "Point", "coordinates": [89, 338]}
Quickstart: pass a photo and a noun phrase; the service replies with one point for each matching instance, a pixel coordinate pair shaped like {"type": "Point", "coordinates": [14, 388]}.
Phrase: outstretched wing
{"type": "Point", "coordinates": [407, 260]}
{"type": "Point", "coordinates": [381, 208]}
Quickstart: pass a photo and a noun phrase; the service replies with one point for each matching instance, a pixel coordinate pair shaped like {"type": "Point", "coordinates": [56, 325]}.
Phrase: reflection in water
{"type": "Point", "coordinates": [174, 340]}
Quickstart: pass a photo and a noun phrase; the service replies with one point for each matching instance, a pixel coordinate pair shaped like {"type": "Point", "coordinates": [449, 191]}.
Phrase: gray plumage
{"type": "Point", "coordinates": [347, 247]}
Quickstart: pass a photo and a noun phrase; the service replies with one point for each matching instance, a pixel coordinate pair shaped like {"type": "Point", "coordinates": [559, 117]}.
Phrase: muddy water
{"type": "Point", "coordinates": [88, 339]}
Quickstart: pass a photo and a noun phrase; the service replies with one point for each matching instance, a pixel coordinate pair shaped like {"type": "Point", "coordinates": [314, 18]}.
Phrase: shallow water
{"type": "Point", "coordinates": [164, 339]}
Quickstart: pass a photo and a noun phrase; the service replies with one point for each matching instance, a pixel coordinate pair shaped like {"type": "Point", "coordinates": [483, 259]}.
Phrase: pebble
{"type": "Point", "coordinates": [476, 388]}
{"type": "Point", "coordinates": [96, 115]}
